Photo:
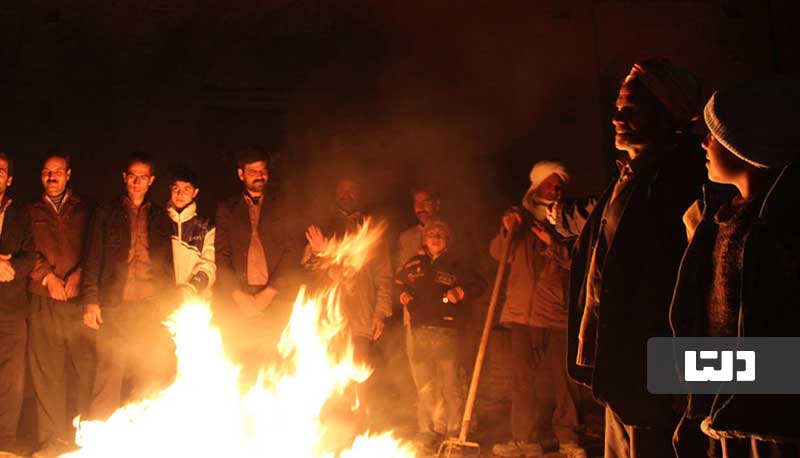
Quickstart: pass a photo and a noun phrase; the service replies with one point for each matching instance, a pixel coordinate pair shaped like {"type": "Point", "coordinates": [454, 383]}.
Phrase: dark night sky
{"type": "Point", "coordinates": [466, 95]}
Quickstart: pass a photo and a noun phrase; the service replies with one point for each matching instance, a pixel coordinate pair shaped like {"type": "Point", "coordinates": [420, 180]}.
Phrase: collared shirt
{"type": "Point", "coordinates": [139, 284]}
{"type": "Point", "coordinates": [257, 269]}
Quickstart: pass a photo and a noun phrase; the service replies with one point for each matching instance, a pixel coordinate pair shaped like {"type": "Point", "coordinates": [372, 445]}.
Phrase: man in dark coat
{"type": "Point", "coordinates": [128, 287]}
{"type": "Point", "coordinates": [17, 256]}
{"type": "Point", "coordinates": [626, 258]}
{"type": "Point", "coordinates": [257, 259]}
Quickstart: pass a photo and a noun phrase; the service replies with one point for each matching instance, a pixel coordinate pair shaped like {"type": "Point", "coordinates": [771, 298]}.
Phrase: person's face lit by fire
{"type": "Point", "coordinates": [723, 166]}
{"type": "Point", "coordinates": [551, 189]}
{"type": "Point", "coordinates": [138, 179]}
{"type": "Point", "coordinates": [425, 206]}
{"type": "Point", "coordinates": [55, 175]}
{"type": "Point", "coordinates": [5, 177]}
{"type": "Point", "coordinates": [348, 196]}
{"type": "Point", "coordinates": [182, 193]}
{"type": "Point", "coordinates": [254, 176]}
{"type": "Point", "coordinates": [436, 241]}
{"type": "Point", "coordinates": [639, 121]}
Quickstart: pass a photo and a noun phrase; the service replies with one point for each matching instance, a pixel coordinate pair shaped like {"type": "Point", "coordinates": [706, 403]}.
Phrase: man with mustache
{"type": "Point", "coordinates": [56, 336]}
{"type": "Point", "coordinates": [626, 257]}
{"type": "Point", "coordinates": [17, 257]}
{"type": "Point", "coordinates": [127, 285]}
{"type": "Point", "coordinates": [535, 310]}
{"type": "Point", "coordinates": [256, 257]}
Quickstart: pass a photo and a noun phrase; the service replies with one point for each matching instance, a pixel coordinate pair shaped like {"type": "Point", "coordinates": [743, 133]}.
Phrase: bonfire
{"type": "Point", "coordinates": [206, 413]}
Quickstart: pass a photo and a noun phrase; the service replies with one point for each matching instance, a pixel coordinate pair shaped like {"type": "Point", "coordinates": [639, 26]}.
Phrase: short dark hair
{"type": "Point", "coordinates": [4, 156]}
{"type": "Point", "coordinates": [67, 158]}
{"type": "Point", "coordinates": [429, 190]}
{"type": "Point", "coordinates": [183, 173]}
{"type": "Point", "coordinates": [142, 158]}
{"type": "Point", "coordinates": [251, 154]}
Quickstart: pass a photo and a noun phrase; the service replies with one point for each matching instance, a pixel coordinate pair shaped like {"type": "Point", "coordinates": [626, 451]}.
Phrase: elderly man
{"type": "Point", "coordinates": [127, 282]}
{"type": "Point", "coordinates": [17, 257]}
{"type": "Point", "coordinates": [56, 336]}
{"type": "Point", "coordinates": [535, 310]}
{"type": "Point", "coordinates": [626, 257]}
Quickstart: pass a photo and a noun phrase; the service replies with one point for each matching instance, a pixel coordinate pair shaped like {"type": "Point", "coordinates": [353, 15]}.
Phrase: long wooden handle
{"type": "Point", "coordinates": [487, 330]}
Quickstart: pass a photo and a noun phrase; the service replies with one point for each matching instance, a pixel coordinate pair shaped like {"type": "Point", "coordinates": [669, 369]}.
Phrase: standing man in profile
{"type": "Point", "coordinates": [56, 336]}
{"type": "Point", "coordinates": [128, 283]}
{"type": "Point", "coordinates": [17, 257]}
{"type": "Point", "coordinates": [256, 256]}
{"type": "Point", "coordinates": [626, 258]}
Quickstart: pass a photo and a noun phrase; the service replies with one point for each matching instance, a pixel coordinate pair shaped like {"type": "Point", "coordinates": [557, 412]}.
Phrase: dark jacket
{"type": "Point", "coordinates": [769, 306]}
{"type": "Point", "coordinates": [428, 281]}
{"type": "Point", "coordinates": [366, 296]}
{"type": "Point", "coordinates": [59, 239]}
{"type": "Point", "coordinates": [105, 269]}
{"type": "Point", "coordinates": [233, 241]}
{"type": "Point", "coordinates": [17, 240]}
{"type": "Point", "coordinates": [637, 281]}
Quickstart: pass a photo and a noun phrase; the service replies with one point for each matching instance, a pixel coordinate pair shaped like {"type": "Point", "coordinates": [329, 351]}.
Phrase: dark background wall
{"type": "Point", "coordinates": [466, 95]}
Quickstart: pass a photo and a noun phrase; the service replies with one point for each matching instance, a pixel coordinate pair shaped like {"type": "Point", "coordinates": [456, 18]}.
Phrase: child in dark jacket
{"type": "Point", "coordinates": [433, 287]}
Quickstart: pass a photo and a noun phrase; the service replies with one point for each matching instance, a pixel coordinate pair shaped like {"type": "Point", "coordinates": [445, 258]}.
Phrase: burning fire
{"type": "Point", "coordinates": [204, 412]}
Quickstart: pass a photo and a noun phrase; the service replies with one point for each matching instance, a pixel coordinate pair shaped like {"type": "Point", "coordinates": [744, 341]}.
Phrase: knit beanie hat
{"type": "Point", "coordinates": [439, 224]}
{"type": "Point", "coordinates": [758, 120]}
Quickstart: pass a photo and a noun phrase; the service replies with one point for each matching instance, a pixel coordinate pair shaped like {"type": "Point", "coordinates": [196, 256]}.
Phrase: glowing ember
{"type": "Point", "coordinates": [204, 414]}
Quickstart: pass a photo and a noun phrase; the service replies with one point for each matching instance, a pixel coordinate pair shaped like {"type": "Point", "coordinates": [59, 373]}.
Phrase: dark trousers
{"type": "Point", "coordinates": [436, 361]}
{"type": "Point", "coordinates": [12, 377]}
{"type": "Point", "coordinates": [61, 361]}
{"type": "Point", "coordinates": [626, 441]}
{"type": "Point", "coordinates": [135, 357]}
{"type": "Point", "coordinates": [542, 392]}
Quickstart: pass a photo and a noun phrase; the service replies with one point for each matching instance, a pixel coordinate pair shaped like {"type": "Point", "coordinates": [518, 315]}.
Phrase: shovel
{"type": "Point", "coordinates": [453, 447]}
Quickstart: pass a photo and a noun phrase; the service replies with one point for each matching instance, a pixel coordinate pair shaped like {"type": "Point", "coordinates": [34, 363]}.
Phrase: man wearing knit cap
{"type": "Point", "coordinates": [752, 144]}
{"type": "Point", "coordinates": [535, 310]}
{"type": "Point", "coordinates": [626, 257]}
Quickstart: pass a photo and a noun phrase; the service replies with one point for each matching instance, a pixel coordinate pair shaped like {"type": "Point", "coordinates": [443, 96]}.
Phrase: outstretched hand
{"type": "Point", "coordinates": [316, 239]}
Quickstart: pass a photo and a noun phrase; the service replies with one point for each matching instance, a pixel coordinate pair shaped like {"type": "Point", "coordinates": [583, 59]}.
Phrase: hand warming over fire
{"type": "Point", "coordinates": [92, 316]}
{"type": "Point", "coordinates": [316, 240]}
{"type": "Point", "coordinates": [6, 270]}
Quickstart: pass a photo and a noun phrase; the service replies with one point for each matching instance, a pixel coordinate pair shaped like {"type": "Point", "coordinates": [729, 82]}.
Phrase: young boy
{"type": "Point", "coordinates": [192, 236]}
{"type": "Point", "coordinates": [741, 272]}
{"type": "Point", "coordinates": [433, 286]}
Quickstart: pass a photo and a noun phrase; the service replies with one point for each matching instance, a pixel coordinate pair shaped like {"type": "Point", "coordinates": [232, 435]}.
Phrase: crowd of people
{"type": "Point", "coordinates": [669, 248]}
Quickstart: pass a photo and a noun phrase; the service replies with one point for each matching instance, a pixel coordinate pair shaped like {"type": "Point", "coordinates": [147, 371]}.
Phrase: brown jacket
{"type": "Point", "coordinates": [59, 239]}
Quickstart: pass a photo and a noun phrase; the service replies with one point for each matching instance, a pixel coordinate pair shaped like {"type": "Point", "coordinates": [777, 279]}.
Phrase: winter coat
{"type": "Point", "coordinates": [193, 248]}
{"type": "Point", "coordinates": [368, 295]}
{"type": "Point", "coordinates": [638, 276]}
{"type": "Point", "coordinates": [105, 269]}
{"type": "Point", "coordinates": [538, 277]}
{"type": "Point", "coordinates": [769, 305]}
{"type": "Point", "coordinates": [16, 239]}
{"type": "Point", "coordinates": [428, 281]}
{"type": "Point", "coordinates": [59, 238]}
